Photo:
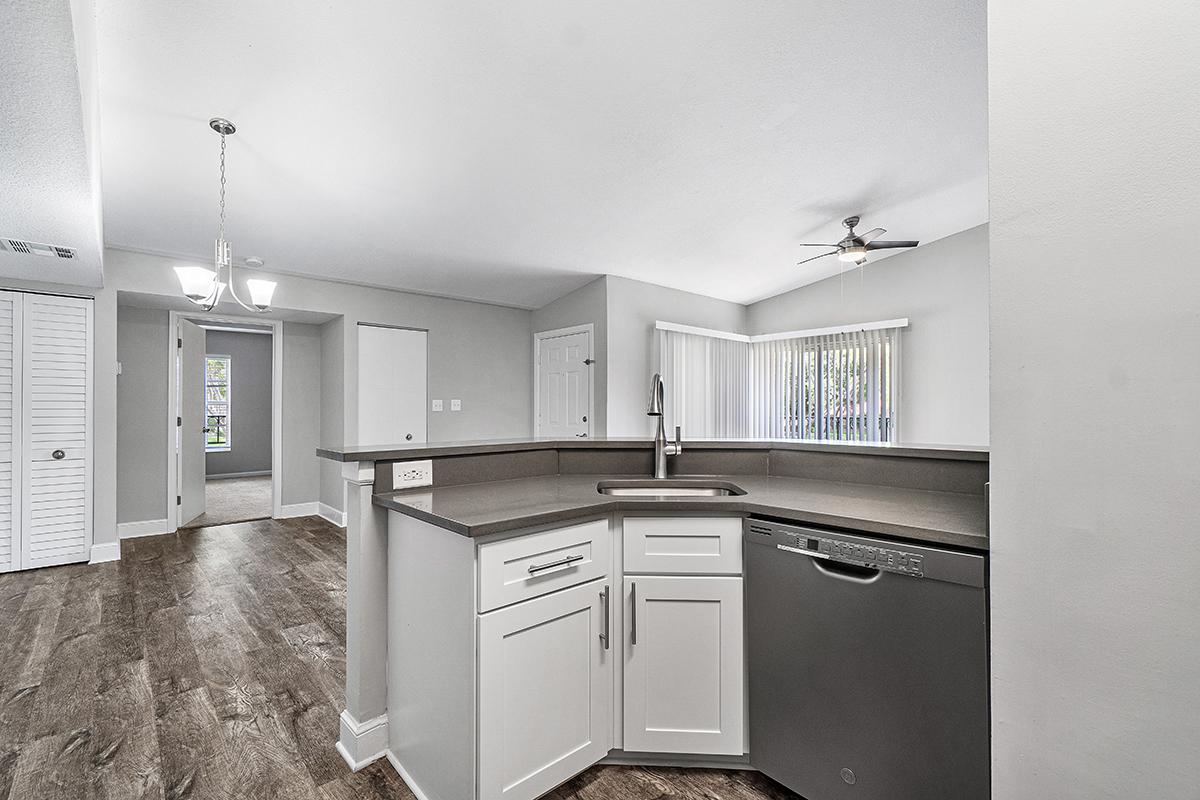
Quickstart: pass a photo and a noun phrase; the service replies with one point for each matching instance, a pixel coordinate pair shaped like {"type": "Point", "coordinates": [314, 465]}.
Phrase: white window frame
{"type": "Point", "coordinates": [228, 446]}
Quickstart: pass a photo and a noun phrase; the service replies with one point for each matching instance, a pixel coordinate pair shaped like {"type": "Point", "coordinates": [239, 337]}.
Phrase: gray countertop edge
{"type": "Point", "coordinates": [602, 507]}
{"type": "Point", "coordinates": [405, 451]}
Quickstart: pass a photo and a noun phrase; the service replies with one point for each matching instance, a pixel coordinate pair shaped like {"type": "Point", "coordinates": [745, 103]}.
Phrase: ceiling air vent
{"type": "Point", "coordinates": [35, 249]}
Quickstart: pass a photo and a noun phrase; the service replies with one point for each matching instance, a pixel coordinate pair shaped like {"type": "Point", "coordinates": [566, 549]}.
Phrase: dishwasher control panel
{"type": "Point", "coordinates": [863, 555]}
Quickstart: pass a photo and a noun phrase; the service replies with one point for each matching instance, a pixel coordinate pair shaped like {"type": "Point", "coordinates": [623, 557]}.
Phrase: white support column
{"type": "Point", "coordinates": [364, 727]}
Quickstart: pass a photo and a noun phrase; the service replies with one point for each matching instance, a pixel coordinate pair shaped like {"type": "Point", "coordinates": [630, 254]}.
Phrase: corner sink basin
{"type": "Point", "coordinates": [668, 487]}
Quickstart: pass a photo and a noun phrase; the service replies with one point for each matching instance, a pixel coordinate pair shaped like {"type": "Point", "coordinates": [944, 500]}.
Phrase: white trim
{"type": "Point", "coordinates": [588, 328]}
{"type": "Point", "coordinates": [108, 551]}
{"type": "Point", "coordinates": [310, 509]}
{"type": "Point", "coordinates": [225, 476]}
{"type": "Point", "coordinates": [146, 527]}
{"type": "Point", "coordinates": [360, 743]}
{"type": "Point", "coordinates": [331, 514]}
{"type": "Point", "coordinates": [225, 329]}
{"type": "Point", "coordinates": [404, 776]}
{"type": "Point", "coordinates": [886, 324]}
{"type": "Point", "coordinates": [277, 467]}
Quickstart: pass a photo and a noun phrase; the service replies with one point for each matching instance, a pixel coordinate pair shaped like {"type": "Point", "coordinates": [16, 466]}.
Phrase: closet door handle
{"type": "Point", "coordinates": [58, 455]}
{"type": "Point", "coordinates": [633, 613]}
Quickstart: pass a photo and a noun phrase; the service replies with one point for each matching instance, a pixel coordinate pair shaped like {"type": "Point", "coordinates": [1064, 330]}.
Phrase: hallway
{"type": "Point", "coordinates": [229, 500]}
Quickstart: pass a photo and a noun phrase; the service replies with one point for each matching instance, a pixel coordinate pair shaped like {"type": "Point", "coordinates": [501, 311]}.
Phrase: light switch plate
{"type": "Point", "coordinates": [436, 405]}
{"type": "Point", "coordinates": [407, 474]}
{"type": "Point", "coordinates": [456, 404]}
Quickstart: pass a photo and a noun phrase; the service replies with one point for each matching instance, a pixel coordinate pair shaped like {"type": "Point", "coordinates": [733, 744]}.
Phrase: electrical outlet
{"type": "Point", "coordinates": [436, 405]}
{"type": "Point", "coordinates": [456, 405]}
{"type": "Point", "coordinates": [408, 474]}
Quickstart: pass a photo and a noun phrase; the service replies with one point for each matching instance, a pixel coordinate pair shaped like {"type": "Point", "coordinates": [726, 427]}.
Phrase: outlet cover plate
{"type": "Point", "coordinates": [409, 474]}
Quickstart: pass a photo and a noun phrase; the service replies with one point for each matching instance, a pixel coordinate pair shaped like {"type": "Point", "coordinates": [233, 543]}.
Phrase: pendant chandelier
{"type": "Point", "coordinates": [204, 286]}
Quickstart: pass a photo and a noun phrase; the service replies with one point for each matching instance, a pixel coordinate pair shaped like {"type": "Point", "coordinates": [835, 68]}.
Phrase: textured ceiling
{"type": "Point", "coordinates": [508, 151]}
{"type": "Point", "coordinates": [49, 165]}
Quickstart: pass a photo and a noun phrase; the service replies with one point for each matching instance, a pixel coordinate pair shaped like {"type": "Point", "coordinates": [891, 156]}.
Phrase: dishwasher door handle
{"type": "Point", "coordinates": [846, 572]}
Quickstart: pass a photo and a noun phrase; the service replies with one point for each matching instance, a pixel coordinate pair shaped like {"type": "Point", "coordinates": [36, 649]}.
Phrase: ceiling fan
{"type": "Point", "coordinates": [854, 248]}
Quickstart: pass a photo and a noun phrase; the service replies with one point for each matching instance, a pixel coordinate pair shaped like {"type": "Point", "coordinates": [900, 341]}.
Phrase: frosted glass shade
{"type": "Point", "coordinates": [261, 293]}
{"type": "Point", "coordinates": [197, 283]}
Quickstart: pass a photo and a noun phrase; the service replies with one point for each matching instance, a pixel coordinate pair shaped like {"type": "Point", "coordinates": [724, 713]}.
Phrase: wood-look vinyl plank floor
{"type": "Point", "coordinates": [211, 663]}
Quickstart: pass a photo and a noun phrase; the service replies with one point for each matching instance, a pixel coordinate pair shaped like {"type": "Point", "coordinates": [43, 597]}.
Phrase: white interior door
{"type": "Point", "coordinates": [684, 691]}
{"type": "Point", "coordinates": [191, 351]}
{"type": "Point", "coordinates": [392, 390]}
{"type": "Point", "coordinates": [564, 391]}
{"type": "Point", "coordinates": [10, 430]}
{"type": "Point", "coordinates": [57, 440]}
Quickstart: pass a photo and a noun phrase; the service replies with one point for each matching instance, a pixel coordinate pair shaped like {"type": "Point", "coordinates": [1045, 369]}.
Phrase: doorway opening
{"type": "Point", "coordinates": [225, 419]}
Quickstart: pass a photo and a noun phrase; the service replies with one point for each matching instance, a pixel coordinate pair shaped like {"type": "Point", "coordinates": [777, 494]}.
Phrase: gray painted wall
{"type": "Point", "coordinates": [942, 287]}
{"type": "Point", "coordinates": [1095, 569]}
{"type": "Point", "coordinates": [302, 384]}
{"type": "Point", "coordinates": [333, 379]}
{"type": "Point", "coordinates": [588, 303]}
{"type": "Point", "coordinates": [250, 409]}
{"type": "Point", "coordinates": [633, 308]}
{"type": "Point", "coordinates": [143, 348]}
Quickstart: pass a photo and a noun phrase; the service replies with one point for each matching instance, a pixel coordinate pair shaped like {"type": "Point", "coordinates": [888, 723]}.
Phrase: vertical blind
{"type": "Point", "coordinates": [838, 386]}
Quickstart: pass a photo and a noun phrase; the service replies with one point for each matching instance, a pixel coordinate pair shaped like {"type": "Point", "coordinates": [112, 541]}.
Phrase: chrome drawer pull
{"type": "Point", "coordinates": [562, 562]}
{"type": "Point", "coordinates": [604, 599]}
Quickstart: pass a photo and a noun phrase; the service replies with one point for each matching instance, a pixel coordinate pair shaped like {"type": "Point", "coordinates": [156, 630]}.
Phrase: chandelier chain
{"type": "Point", "coordinates": [221, 224]}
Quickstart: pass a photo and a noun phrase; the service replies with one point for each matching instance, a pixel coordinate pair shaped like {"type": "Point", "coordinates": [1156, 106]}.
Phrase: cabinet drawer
{"type": "Point", "coordinates": [517, 569]}
{"type": "Point", "coordinates": [683, 545]}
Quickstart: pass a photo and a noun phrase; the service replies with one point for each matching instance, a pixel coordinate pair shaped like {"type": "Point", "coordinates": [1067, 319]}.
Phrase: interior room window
{"type": "Point", "coordinates": [216, 402]}
{"type": "Point", "coordinates": [830, 385]}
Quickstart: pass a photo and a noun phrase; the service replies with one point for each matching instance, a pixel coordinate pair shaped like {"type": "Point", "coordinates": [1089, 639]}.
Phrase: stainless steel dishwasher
{"type": "Point", "coordinates": [867, 665]}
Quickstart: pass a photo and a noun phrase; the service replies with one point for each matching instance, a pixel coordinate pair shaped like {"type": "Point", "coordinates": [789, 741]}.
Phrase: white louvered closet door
{"type": "Point", "coordinates": [10, 430]}
{"type": "Point", "coordinates": [56, 425]}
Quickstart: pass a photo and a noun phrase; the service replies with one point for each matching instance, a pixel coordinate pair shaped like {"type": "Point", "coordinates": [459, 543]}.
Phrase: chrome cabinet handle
{"type": "Point", "coordinates": [58, 455]}
{"type": "Point", "coordinates": [604, 600]}
{"type": "Point", "coordinates": [633, 613]}
{"type": "Point", "coordinates": [562, 562]}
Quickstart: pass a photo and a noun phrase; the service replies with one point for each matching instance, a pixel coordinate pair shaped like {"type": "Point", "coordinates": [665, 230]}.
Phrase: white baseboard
{"type": "Point", "coordinates": [362, 742]}
{"type": "Point", "coordinates": [404, 776]}
{"type": "Point", "coordinates": [222, 476]}
{"type": "Point", "coordinates": [146, 527]}
{"type": "Point", "coordinates": [290, 510]}
{"type": "Point", "coordinates": [331, 514]}
{"type": "Point", "coordinates": [109, 551]}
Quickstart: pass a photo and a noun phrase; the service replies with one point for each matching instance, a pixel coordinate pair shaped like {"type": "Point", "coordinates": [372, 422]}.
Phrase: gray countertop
{"type": "Point", "coordinates": [410, 450]}
{"type": "Point", "coordinates": [478, 509]}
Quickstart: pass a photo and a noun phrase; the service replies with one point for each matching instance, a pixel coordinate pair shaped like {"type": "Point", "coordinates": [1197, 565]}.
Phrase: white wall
{"type": "Point", "coordinates": [633, 308]}
{"type": "Point", "coordinates": [250, 409]}
{"type": "Point", "coordinates": [302, 394]}
{"type": "Point", "coordinates": [143, 346]}
{"type": "Point", "coordinates": [332, 430]}
{"type": "Point", "coordinates": [588, 303]}
{"type": "Point", "coordinates": [942, 288]}
{"type": "Point", "coordinates": [1095, 342]}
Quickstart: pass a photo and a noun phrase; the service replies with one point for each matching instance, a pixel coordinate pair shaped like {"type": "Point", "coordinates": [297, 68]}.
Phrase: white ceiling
{"type": "Point", "coordinates": [510, 151]}
{"type": "Point", "coordinates": [49, 169]}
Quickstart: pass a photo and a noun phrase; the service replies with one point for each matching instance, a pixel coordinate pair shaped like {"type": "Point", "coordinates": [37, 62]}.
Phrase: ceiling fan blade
{"type": "Point", "coordinates": [889, 245]}
{"type": "Point", "coordinates": [814, 258]}
{"type": "Point", "coordinates": [874, 233]}
{"type": "Point", "coordinates": [810, 244]}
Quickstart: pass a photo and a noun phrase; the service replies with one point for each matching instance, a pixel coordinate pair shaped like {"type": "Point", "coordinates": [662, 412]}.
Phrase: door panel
{"type": "Point", "coordinates": [57, 488]}
{"type": "Point", "coordinates": [10, 430]}
{"type": "Point", "coordinates": [564, 392]}
{"type": "Point", "coordinates": [684, 690]}
{"type": "Point", "coordinates": [191, 411]}
{"type": "Point", "coordinates": [392, 385]}
{"type": "Point", "coordinates": [545, 692]}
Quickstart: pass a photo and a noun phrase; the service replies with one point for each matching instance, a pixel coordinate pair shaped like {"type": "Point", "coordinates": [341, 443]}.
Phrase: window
{"type": "Point", "coordinates": [216, 403]}
{"type": "Point", "coordinates": [833, 384]}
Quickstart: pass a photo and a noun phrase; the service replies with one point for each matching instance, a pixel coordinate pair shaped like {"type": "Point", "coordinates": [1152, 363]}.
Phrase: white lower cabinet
{"type": "Point", "coordinates": [684, 687]}
{"type": "Point", "coordinates": [545, 691]}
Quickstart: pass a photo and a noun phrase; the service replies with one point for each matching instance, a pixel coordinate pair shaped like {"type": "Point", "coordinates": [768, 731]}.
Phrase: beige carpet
{"type": "Point", "coordinates": [234, 500]}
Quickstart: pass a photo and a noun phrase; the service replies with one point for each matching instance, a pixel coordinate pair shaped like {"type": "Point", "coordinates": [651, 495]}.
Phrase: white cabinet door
{"type": "Point", "coordinates": [10, 431]}
{"type": "Point", "coordinates": [545, 692]}
{"type": "Point", "coordinates": [392, 390]}
{"type": "Point", "coordinates": [57, 443]}
{"type": "Point", "coordinates": [684, 690]}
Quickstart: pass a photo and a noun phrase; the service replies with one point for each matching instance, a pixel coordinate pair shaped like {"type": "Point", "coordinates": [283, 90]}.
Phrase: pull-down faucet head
{"type": "Point", "coordinates": [655, 408]}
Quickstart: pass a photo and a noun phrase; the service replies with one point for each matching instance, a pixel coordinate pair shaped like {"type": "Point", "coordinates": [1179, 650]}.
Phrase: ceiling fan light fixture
{"type": "Point", "coordinates": [852, 255]}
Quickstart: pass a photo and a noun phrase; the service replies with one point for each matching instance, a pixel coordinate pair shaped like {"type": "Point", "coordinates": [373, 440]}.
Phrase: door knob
{"type": "Point", "coordinates": [58, 455]}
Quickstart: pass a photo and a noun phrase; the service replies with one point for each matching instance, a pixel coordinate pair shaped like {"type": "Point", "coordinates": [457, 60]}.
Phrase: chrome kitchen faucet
{"type": "Point", "coordinates": [662, 448]}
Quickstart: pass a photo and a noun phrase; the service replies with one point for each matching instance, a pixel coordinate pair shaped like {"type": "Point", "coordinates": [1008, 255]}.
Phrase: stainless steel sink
{"type": "Point", "coordinates": [669, 487]}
